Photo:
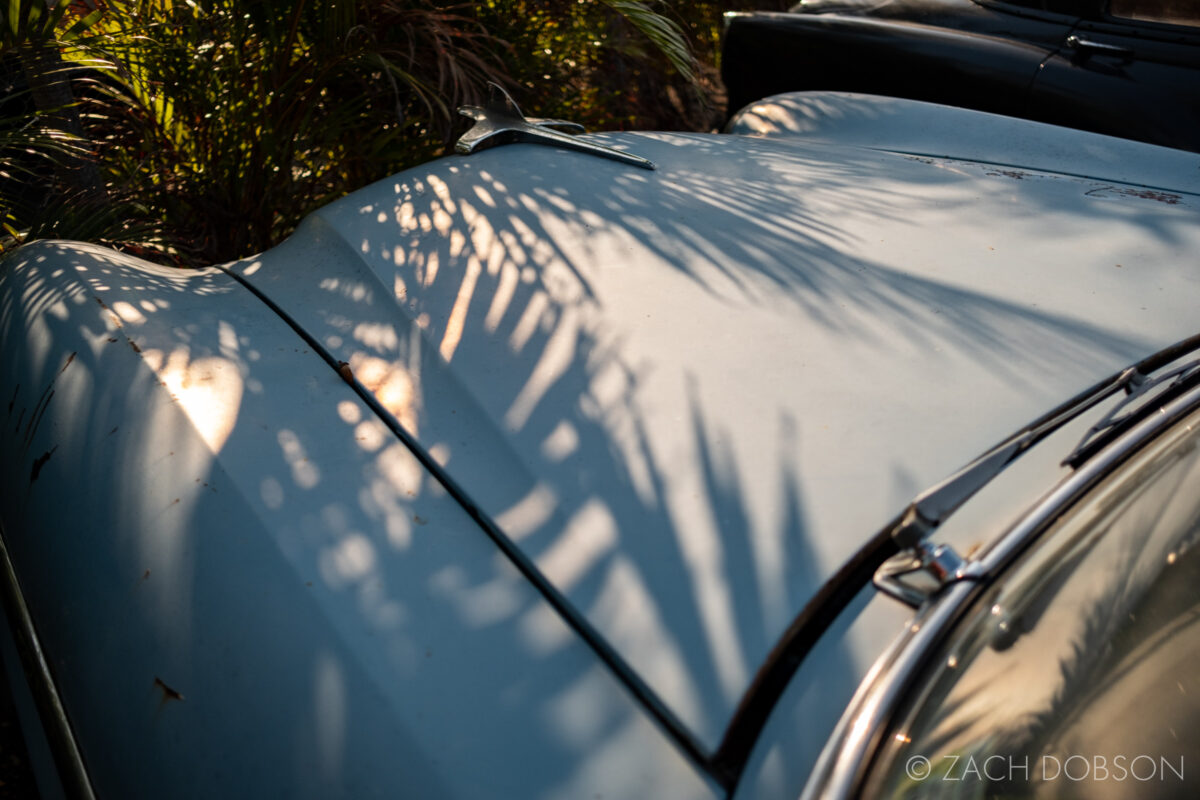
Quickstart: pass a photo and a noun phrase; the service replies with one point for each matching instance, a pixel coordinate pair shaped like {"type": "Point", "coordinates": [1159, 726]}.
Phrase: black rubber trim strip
{"type": "Point", "coordinates": [72, 772]}
{"type": "Point", "coordinates": [671, 724]}
{"type": "Point", "coordinates": [793, 647]}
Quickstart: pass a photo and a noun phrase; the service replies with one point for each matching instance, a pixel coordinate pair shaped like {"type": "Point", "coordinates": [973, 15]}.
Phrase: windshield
{"type": "Point", "coordinates": [1079, 674]}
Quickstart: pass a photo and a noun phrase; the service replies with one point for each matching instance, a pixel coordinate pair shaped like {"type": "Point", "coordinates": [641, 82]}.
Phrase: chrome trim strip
{"type": "Point", "coordinates": [841, 766]}
{"type": "Point", "coordinates": [843, 759]}
{"type": "Point", "coordinates": [73, 773]}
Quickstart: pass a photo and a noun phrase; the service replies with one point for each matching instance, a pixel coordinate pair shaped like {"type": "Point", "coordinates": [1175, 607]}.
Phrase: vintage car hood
{"type": "Point", "coordinates": [688, 395]}
{"type": "Point", "coordinates": [236, 574]}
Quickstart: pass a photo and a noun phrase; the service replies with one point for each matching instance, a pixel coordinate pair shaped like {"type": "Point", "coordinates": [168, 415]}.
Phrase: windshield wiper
{"type": "Point", "coordinates": [902, 538]}
{"type": "Point", "coordinates": [935, 505]}
{"type": "Point", "coordinates": [1140, 387]}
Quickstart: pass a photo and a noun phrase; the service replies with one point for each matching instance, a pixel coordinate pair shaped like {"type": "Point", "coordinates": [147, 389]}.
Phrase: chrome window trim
{"type": "Point", "coordinates": [847, 755]}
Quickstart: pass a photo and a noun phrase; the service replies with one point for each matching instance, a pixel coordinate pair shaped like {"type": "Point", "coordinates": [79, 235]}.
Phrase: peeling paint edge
{"type": "Point", "coordinates": [1040, 171]}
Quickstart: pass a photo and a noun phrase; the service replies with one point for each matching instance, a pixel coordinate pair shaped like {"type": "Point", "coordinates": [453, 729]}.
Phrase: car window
{"type": "Point", "coordinates": [1172, 12]}
{"type": "Point", "coordinates": [1078, 675]}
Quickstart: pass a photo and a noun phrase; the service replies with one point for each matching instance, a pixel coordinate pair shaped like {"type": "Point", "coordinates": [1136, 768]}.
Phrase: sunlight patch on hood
{"type": "Point", "coordinates": [392, 386]}
{"type": "Point", "coordinates": [529, 513]}
{"type": "Point", "coordinates": [589, 538]}
{"type": "Point", "coordinates": [209, 390]}
{"type": "Point", "coordinates": [557, 357]}
{"type": "Point", "coordinates": [458, 314]}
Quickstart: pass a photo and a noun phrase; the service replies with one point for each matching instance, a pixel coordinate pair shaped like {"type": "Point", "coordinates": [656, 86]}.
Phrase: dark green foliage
{"type": "Point", "coordinates": [197, 131]}
{"type": "Point", "coordinates": [593, 62]}
{"type": "Point", "coordinates": [241, 117]}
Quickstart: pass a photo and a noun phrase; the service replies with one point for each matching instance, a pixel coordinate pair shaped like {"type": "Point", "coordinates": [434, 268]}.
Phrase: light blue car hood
{"type": "Point", "coordinates": [689, 395]}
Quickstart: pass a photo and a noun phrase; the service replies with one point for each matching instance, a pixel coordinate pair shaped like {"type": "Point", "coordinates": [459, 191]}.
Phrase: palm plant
{"type": "Point", "coordinates": [255, 113]}
{"type": "Point", "coordinates": [210, 127]}
{"type": "Point", "coordinates": [42, 140]}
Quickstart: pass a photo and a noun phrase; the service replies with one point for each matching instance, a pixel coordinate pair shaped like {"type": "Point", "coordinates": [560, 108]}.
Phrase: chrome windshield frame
{"type": "Point", "coordinates": [848, 754]}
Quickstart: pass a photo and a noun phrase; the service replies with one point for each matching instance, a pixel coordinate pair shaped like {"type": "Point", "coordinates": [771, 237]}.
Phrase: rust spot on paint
{"type": "Point", "coordinates": [1142, 194]}
{"type": "Point", "coordinates": [133, 344]}
{"type": "Point", "coordinates": [347, 374]}
{"type": "Point", "coordinates": [1150, 194]}
{"type": "Point", "coordinates": [115, 319]}
{"type": "Point", "coordinates": [40, 462]}
{"type": "Point", "coordinates": [1015, 174]}
{"type": "Point", "coordinates": [145, 574]}
{"type": "Point", "coordinates": [167, 692]}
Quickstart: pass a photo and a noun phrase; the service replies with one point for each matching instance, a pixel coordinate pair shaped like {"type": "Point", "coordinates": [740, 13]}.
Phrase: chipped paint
{"type": "Point", "coordinates": [1169, 198]}
{"type": "Point", "coordinates": [40, 462]}
{"type": "Point", "coordinates": [1015, 174]}
{"type": "Point", "coordinates": [1150, 194]}
{"type": "Point", "coordinates": [168, 693]}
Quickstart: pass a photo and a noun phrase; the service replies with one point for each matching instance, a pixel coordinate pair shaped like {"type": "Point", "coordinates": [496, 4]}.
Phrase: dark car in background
{"type": "Point", "coordinates": [1128, 68]}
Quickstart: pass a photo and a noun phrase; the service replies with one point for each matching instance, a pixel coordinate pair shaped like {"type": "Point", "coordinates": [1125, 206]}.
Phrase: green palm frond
{"type": "Point", "coordinates": [663, 33]}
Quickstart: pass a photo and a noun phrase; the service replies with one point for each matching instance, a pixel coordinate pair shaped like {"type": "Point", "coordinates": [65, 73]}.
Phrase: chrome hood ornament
{"type": "Point", "coordinates": [501, 122]}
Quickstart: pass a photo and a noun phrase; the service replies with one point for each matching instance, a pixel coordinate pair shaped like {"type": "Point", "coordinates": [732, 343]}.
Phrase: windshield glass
{"type": "Point", "coordinates": [1078, 675]}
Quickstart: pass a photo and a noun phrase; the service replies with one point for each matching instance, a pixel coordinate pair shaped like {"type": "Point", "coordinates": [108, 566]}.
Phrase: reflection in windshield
{"type": "Point", "coordinates": [1079, 676]}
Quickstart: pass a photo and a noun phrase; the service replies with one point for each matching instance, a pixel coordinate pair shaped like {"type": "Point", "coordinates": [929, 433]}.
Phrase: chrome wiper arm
{"type": "Point", "coordinates": [933, 506]}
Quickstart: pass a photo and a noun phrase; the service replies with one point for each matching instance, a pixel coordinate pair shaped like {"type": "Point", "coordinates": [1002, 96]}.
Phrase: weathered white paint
{"type": "Point", "coordinates": [244, 592]}
{"type": "Point", "coordinates": [719, 378]}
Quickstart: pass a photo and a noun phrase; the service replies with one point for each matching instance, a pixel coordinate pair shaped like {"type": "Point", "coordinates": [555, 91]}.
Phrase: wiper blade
{"type": "Point", "coordinates": [1140, 387]}
{"type": "Point", "coordinates": [933, 506]}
